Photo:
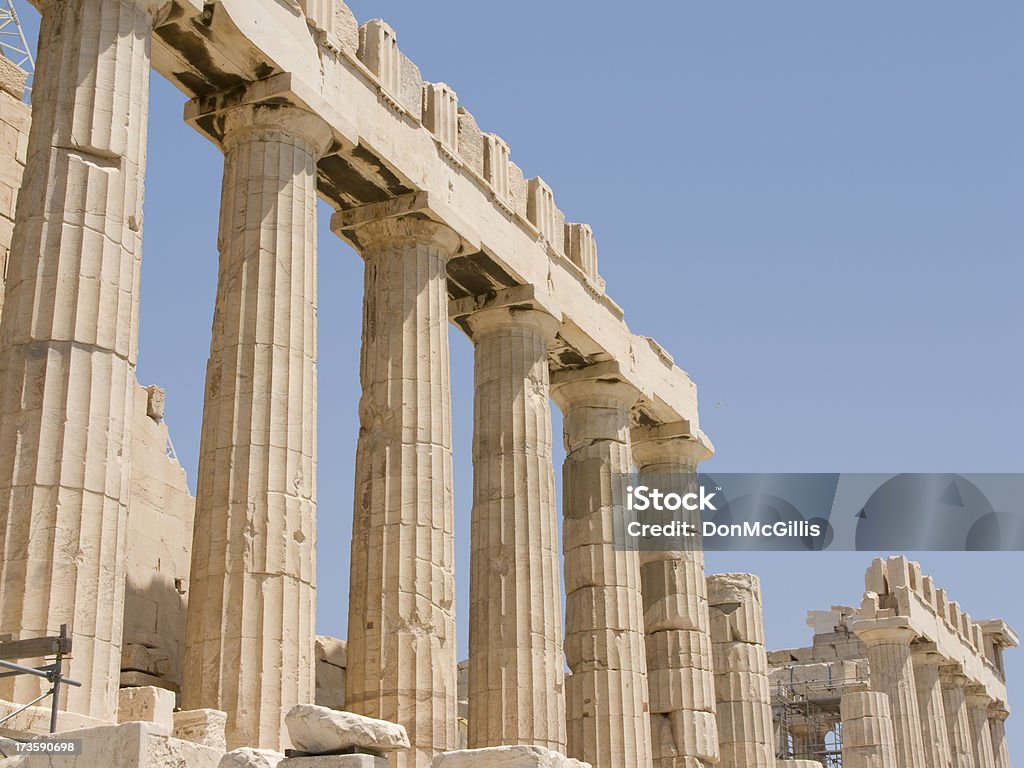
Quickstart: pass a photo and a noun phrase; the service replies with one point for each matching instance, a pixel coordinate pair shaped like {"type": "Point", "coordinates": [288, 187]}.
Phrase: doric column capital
{"type": "Point", "coordinates": [952, 676]}
{"type": "Point", "coordinates": [158, 9]}
{"type": "Point", "coordinates": [380, 235]}
{"type": "Point", "coordinates": [599, 385]}
{"type": "Point", "coordinates": [889, 631]}
{"type": "Point", "coordinates": [977, 697]}
{"type": "Point", "coordinates": [927, 655]}
{"type": "Point", "coordinates": [495, 319]}
{"type": "Point", "coordinates": [999, 712]}
{"type": "Point", "coordinates": [670, 444]}
{"type": "Point", "coordinates": [269, 121]}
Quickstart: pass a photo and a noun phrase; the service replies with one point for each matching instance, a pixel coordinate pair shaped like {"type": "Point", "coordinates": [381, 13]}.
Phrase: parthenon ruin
{"type": "Point", "coordinates": [192, 622]}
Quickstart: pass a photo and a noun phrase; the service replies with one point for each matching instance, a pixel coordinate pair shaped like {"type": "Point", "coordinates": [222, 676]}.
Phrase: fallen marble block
{"type": "Point", "coordinates": [319, 731]}
{"type": "Point", "coordinates": [506, 757]}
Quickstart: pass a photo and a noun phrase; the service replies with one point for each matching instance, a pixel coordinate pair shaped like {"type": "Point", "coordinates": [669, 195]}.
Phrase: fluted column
{"type": "Point", "coordinates": [997, 716]}
{"type": "Point", "coordinates": [981, 734]}
{"type": "Point", "coordinates": [606, 695]}
{"type": "Point", "coordinates": [676, 622]}
{"type": "Point", "coordinates": [868, 738]}
{"type": "Point", "coordinates": [742, 691]}
{"type": "Point", "coordinates": [69, 344]}
{"type": "Point", "coordinates": [934, 735]}
{"type": "Point", "coordinates": [892, 673]}
{"type": "Point", "coordinates": [401, 617]}
{"type": "Point", "coordinates": [958, 727]}
{"type": "Point", "coordinates": [516, 670]}
{"type": "Point", "coordinates": [252, 603]}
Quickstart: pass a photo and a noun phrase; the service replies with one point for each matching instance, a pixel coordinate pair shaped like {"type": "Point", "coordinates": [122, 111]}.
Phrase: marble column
{"type": "Point", "coordinates": [981, 733]}
{"type": "Point", "coordinates": [252, 604]}
{"type": "Point", "coordinates": [69, 344]}
{"type": "Point", "coordinates": [606, 695]}
{"type": "Point", "coordinates": [937, 753]}
{"type": "Point", "coordinates": [742, 691]}
{"type": "Point", "coordinates": [401, 617]}
{"type": "Point", "coordinates": [679, 664]}
{"type": "Point", "coordinates": [516, 671]}
{"type": "Point", "coordinates": [868, 738]}
{"type": "Point", "coordinates": [997, 716]}
{"type": "Point", "coordinates": [892, 673]}
{"type": "Point", "coordinates": [958, 727]}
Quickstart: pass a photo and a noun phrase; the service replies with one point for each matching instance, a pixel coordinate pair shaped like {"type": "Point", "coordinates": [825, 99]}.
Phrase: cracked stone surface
{"type": "Point", "coordinates": [319, 730]}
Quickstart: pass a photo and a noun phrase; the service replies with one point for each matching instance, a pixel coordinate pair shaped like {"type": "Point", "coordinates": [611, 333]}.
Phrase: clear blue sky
{"type": "Point", "coordinates": [815, 207]}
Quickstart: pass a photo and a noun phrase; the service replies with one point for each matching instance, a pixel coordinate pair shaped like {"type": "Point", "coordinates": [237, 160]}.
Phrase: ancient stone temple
{"type": "Point", "coordinates": [191, 621]}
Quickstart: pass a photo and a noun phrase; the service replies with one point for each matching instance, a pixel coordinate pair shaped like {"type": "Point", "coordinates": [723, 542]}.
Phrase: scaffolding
{"type": "Point", "coordinates": [58, 646]}
{"type": "Point", "coordinates": [13, 43]}
{"type": "Point", "coordinates": [807, 721]}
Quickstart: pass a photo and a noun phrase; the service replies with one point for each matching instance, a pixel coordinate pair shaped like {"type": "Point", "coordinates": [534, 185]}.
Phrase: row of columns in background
{"type": "Point", "coordinates": [938, 718]}
{"type": "Point", "coordinates": [68, 349]}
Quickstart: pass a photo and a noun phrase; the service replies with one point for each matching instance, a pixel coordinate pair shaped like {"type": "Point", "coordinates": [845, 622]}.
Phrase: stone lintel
{"type": "Point", "coordinates": [1001, 633]}
{"type": "Point", "coordinates": [519, 298]}
{"type": "Point", "coordinates": [207, 114]}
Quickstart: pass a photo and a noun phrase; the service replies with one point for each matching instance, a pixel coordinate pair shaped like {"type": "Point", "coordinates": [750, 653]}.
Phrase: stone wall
{"type": "Point", "coordinates": [159, 550]}
{"type": "Point", "coordinates": [15, 117]}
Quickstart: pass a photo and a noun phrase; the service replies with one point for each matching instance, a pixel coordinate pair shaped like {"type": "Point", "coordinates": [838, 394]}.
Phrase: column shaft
{"type": "Point", "coordinates": [981, 734]}
{"type": "Point", "coordinates": [1000, 750]}
{"type": "Point", "coordinates": [935, 740]}
{"type": "Point", "coordinates": [742, 690]}
{"type": "Point", "coordinates": [606, 695]}
{"type": "Point", "coordinates": [252, 604]}
{"type": "Point", "coordinates": [69, 344]}
{"type": "Point", "coordinates": [892, 673]}
{"type": "Point", "coordinates": [516, 671]}
{"type": "Point", "coordinates": [958, 727]}
{"type": "Point", "coordinates": [678, 641]}
{"type": "Point", "coordinates": [401, 618]}
{"type": "Point", "coordinates": [868, 738]}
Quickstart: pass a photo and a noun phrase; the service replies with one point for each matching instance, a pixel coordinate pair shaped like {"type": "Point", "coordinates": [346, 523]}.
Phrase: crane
{"type": "Point", "coordinates": [13, 43]}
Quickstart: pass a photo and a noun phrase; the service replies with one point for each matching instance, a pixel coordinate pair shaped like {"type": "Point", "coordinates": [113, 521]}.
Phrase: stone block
{"type": "Point", "coordinates": [12, 78]}
{"type": "Point", "coordinates": [740, 657]}
{"type": "Point", "coordinates": [506, 757]}
{"type": "Point", "coordinates": [378, 50]}
{"type": "Point", "coordinates": [335, 761]}
{"type": "Point", "coordinates": [497, 168]}
{"type": "Point", "coordinates": [246, 757]}
{"type": "Point", "coordinates": [331, 662]}
{"type": "Point", "coordinates": [471, 143]}
{"type": "Point", "coordinates": [318, 730]}
{"type": "Point", "coordinates": [129, 745]}
{"type": "Point", "coordinates": [441, 113]}
{"type": "Point", "coordinates": [726, 588]}
{"type": "Point", "coordinates": [146, 704]}
{"type": "Point", "coordinates": [737, 622]}
{"type": "Point", "coordinates": [687, 688]}
{"type": "Point", "coordinates": [517, 189]}
{"type": "Point", "coordinates": [854, 706]}
{"type": "Point", "coordinates": [202, 726]}
{"type": "Point", "coordinates": [410, 88]}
